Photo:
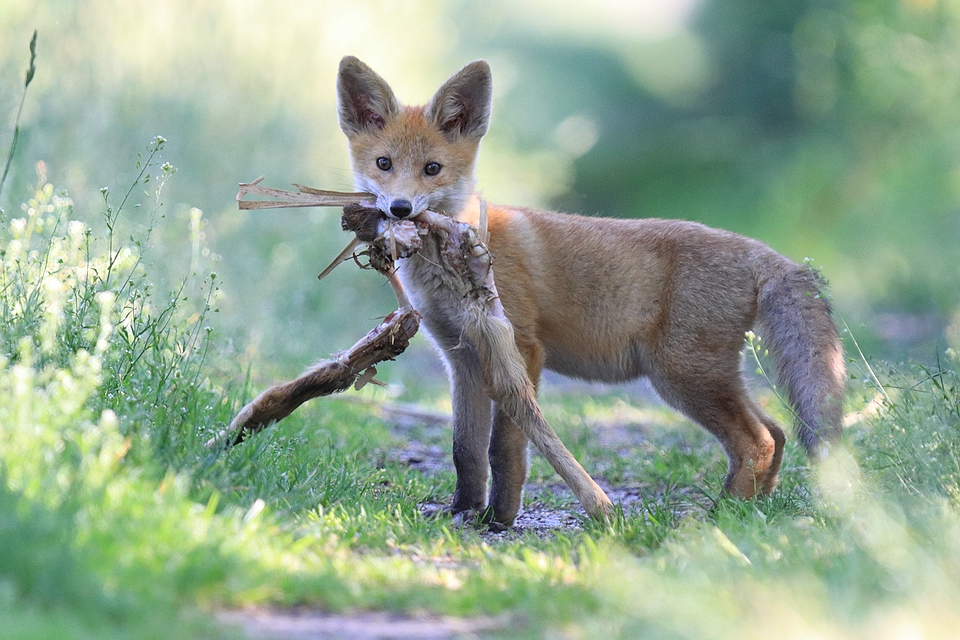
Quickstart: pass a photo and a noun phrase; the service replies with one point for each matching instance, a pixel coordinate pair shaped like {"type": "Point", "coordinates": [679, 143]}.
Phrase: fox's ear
{"type": "Point", "coordinates": [364, 99]}
{"type": "Point", "coordinates": [461, 107]}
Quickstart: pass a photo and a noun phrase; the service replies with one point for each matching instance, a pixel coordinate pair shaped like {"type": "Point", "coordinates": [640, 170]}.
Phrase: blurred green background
{"type": "Point", "coordinates": [828, 129]}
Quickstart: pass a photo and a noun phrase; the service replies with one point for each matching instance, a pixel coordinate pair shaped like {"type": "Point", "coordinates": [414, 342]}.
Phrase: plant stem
{"type": "Point", "coordinates": [31, 70]}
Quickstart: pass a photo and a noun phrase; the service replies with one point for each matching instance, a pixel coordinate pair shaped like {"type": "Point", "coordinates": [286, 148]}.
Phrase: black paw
{"type": "Point", "coordinates": [497, 527]}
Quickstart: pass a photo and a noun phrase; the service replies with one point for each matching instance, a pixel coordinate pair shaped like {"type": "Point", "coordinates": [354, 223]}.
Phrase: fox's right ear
{"type": "Point", "coordinates": [365, 100]}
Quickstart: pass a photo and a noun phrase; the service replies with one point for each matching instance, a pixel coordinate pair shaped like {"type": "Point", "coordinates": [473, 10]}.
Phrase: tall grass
{"type": "Point", "coordinates": [71, 292]}
{"type": "Point", "coordinates": [90, 364]}
{"type": "Point", "coordinates": [914, 450]}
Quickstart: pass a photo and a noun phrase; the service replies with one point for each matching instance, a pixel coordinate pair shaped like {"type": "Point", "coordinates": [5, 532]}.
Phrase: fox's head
{"type": "Point", "coordinates": [414, 158]}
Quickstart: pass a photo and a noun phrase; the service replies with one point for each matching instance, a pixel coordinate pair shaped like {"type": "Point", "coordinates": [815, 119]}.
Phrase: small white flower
{"type": "Point", "coordinates": [75, 229]}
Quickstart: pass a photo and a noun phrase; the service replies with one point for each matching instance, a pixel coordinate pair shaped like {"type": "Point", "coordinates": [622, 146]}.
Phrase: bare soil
{"type": "Point", "coordinates": [265, 624]}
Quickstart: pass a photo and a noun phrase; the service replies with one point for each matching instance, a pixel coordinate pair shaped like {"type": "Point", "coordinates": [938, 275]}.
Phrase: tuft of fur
{"type": "Point", "coordinates": [794, 318]}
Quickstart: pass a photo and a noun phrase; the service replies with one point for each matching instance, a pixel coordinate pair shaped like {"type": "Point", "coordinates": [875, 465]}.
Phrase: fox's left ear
{"type": "Point", "coordinates": [461, 107]}
{"type": "Point", "coordinates": [364, 99]}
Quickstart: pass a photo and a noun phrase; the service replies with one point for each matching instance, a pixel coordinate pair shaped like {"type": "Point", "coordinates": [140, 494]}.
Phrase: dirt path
{"type": "Point", "coordinates": [263, 624]}
{"type": "Point", "coordinates": [420, 432]}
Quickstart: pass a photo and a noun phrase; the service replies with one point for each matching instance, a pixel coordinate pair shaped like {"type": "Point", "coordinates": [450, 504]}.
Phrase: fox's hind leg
{"type": "Point", "coordinates": [752, 441]}
{"type": "Point", "coordinates": [508, 448]}
{"type": "Point", "coordinates": [769, 482]}
{"type": "Point", "coordinates": [471, 429]}
{"type": "Point", "coordinates": [508, 465]}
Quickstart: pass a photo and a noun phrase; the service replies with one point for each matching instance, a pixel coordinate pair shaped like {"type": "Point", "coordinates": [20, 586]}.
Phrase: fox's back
{"type": "Point", "coordinates": [598, 293]}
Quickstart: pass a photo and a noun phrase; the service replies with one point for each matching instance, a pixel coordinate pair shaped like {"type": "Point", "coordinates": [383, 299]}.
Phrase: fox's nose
{"type": "Point", "coordinates": [401, 208]}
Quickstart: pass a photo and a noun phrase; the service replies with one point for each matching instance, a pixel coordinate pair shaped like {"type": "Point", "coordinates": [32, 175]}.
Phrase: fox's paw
{"type": "Point", "coordinates": [498, 519]}
{"type": "Point", "coordinates": [497, 527]}
{"type": "Point", "coordinates": [466, 518]}
{"type": "Point", "coordinates": [434, 510]}
{"type": "Point", "coordinates": [460, 517]}
{"type": "Point", "coordinates": [479, 519]}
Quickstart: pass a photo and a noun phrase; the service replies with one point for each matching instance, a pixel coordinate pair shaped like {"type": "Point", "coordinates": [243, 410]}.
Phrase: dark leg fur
{"type": "Point", "coordinates": [508, 465]}
{"type": "Point", "coordinates": [471, 431]}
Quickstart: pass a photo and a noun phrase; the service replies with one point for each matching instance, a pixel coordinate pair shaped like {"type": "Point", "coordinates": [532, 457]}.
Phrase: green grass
{"type": "Point", "coordinates": [116, 522]}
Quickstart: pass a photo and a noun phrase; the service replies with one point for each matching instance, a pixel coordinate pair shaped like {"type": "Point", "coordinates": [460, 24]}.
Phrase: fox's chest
{"type": "Point", "coordinates": [434, 292]}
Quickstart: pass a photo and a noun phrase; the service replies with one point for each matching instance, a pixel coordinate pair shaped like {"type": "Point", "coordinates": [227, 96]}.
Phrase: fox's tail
{"type": "Point", "coordinates": [795, 321]}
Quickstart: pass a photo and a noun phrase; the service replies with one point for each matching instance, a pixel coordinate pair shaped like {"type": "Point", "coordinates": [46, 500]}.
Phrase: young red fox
{"type": "Point", "coordinates": [593, 298]}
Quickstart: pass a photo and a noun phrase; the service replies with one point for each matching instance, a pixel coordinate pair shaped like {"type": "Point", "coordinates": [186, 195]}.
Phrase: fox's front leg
{"type": "Point", "coordinates": [471, 429]}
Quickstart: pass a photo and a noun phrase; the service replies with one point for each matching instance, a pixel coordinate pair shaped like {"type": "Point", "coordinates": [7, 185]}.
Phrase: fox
{"type": "Point", "coordinates": [594, 298]}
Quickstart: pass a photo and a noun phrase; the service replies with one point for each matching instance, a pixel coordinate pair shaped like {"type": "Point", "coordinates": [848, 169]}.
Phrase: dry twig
{"type": "Point", "coordinates": [384, 342]}
{"type": "Point", "coordinates": [356, 366]}
{"type": "Point", "coordinates": [303, 197]}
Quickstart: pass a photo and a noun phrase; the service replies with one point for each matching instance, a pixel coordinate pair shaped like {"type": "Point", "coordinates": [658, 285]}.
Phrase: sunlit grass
{"type": "Point", "coordinates": [117, 521]}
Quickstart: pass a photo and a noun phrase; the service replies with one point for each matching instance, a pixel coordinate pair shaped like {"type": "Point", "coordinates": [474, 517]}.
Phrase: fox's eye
{"type": "Point", "coordinates": [432, 168]}
{"type": "Point", "coordinates": [384, 163]}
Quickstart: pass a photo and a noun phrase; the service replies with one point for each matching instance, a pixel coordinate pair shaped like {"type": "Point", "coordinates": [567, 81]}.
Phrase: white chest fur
{"type": "Point", "coordinates": [434, 292]}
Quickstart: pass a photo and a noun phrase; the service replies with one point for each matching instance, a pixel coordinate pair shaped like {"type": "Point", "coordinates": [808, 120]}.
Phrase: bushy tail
{"type": "Point", "coordinates": [795, 322]}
